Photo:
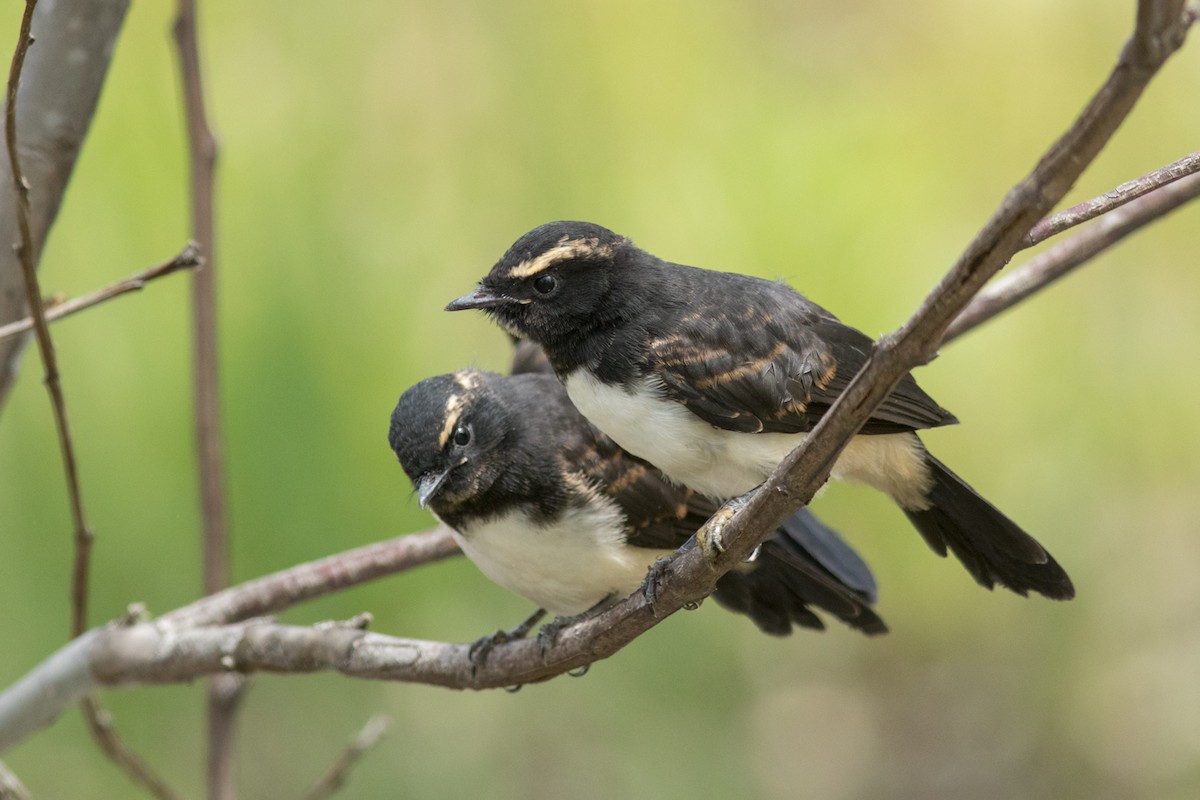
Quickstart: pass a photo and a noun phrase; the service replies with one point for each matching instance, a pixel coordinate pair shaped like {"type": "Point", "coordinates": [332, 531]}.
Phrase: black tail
{"type": "Point", "coordinates": [805, 563]}
{"type": "Point", "coordinates": [990, 545]}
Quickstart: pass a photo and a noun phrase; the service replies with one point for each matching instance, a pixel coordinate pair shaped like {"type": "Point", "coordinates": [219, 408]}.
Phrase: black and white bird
{"type": "Point", "coordinates": [553, 510]}
{"type": "Point", "coordinates": [714, 377]}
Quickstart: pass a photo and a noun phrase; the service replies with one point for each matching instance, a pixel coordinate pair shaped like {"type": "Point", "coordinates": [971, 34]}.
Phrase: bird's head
{"type": "Point", "coordinates": [447, 432]}
{"type": "Point", "coordinates": [552, 282]}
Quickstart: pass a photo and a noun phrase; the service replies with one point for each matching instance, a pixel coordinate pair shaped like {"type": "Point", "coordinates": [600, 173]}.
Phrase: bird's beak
{"type": "Point", "coordinates": [429, 485]}
{"type": "Point", "coordinates": [480, 298]}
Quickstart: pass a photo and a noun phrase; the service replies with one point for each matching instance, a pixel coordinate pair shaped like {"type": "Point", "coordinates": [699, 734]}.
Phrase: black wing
{"type": "Point", "coordinates": [761, 357]}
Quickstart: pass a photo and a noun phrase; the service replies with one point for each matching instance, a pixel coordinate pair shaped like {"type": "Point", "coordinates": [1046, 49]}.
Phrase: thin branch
{"type": "Point", "coordinates": [202, 150]}
{"type": "Point", "coordinates": [33, 294]}
{"type": "Point", "coordinates": [83, 534]}
{"type": "Point", "coordinates": [11, 787]}
{"type": "Point", "coordinates": [1042, 270]}
{"type": "Point", "coordinates": [188, 258]}
{"type": "Point", "coordinates": [99, 722]}
{"type": "Point", "coordinates": [375, 729]}
{"type": "Point", "coordinates": [63, 678]}
{"type": "Point", "coordinates": [1112, 199]}
{"type": "Point", "coordinates": [281, 590]}
{"type": "Point", "coordinates": [56, 104]}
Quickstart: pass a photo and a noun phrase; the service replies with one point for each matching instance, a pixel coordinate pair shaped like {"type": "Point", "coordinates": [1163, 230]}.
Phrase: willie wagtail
{"type": "Point", "coordinates": [553, 510]}
{"type": "Point", "coordinates": [714, 377]}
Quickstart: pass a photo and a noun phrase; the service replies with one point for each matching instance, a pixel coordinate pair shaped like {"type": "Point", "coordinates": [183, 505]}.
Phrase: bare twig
{"type": "Point", "coordinates": [375, 729]}
{"type": "Point", "coordinates": [1044, 269]}
{"type": "Point", "coordinates": [83, 534]}
{"type": "Point", "coordinates": [99, 722]}
{"type": "Point", "coordinates": [187, 259]}
{"type": "Point", "coordinates": [1112, 199]}
{"type": "Point", "coordinates": [11, 787]}
{"type": "Point", "coordinates": [60, 85]}
{"type": "Point", "coordinates": [202, 150]}
{"type": "Point", "coordinates": [288, 587]}
{"type": "Point", "coordinates": [33, 293]}
{"type": "Point", "coordinates": [65, 677]}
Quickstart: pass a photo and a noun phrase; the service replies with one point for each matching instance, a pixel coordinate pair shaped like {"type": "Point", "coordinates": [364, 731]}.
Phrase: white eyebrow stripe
{"type": "Point", "coordinates": [453, 412]}
{"type": "Point", "coordinates": [563, 251]}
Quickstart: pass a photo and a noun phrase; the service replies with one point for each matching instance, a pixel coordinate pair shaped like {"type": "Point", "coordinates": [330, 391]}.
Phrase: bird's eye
{"type": "Point", "coordinates": [462, 436]}
{"type": "Point", "coordinates": [545, 284]}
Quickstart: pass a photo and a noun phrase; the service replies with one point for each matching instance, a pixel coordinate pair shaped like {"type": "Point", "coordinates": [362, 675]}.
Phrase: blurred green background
{"type": "Point", "coordinates": [376, 159]}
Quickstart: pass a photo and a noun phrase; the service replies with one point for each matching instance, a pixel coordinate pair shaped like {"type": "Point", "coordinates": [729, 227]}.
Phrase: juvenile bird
{"type": "Point", "coordinates": [714, 377]}
{"type": "Point", "coordinates": [553, 510]}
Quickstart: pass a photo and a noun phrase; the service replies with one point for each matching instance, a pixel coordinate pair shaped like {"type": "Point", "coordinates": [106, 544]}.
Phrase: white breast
{"type": "Point", "coordinates": [565, 568]}
{"type": "Point", "coordinates": [723, 464]}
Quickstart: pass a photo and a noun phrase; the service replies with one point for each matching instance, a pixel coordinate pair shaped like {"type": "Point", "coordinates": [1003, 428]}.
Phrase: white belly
{"type": "Point", "coordinates": [723, 464]}
{"type": "Point", "coordinates": [565, 568]}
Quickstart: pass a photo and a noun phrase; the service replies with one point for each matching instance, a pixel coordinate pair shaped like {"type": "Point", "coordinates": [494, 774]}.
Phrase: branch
{"type": "Point", "coordinates": [33, 295]}
{"type": "Point", "coordinates": [1039, 272]}
{"type": "Point", "coordinates": [1160, 30]}
{"type": "Point", "coordinates": [187, 259]}
{"type": "Point", "coordinates": [99, 723]}
{"type": "Point", "coordinates": [288, 587]}
{"type": "Point", "coordinates": [66, 676]}
{"type": "Point", "coordinates": [27, 256]}
{"type": "Point", "coordinates": [375, 729]}
{"type": "Point", "coordinates": [202, 150]}
{"type": "Point", "coordinates": [1112, 199]}
{"type": "Point", "coordinates": [55, 106]}
{"type": "Point", "coordinates": [11, 787]}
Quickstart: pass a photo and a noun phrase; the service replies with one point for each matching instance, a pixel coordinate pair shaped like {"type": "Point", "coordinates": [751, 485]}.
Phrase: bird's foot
{"type": "Point", "coordinates": [654, 576]}
{"type": "Point", "coordinates": [479, 649]}
{"type": "Point", "coordinates": [548, 634]}
{"type": "Point", "coordinates": [710, 537]}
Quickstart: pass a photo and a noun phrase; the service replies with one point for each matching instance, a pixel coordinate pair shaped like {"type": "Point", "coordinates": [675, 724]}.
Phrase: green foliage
{"type": "Point", "coordinates": [378, 157]}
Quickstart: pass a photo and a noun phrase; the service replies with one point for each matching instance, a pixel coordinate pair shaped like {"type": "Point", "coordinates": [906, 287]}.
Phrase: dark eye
{"type": "Point", "coordinates": [462, 436]}
{"type": "Point", "coordinates": [545, 284]}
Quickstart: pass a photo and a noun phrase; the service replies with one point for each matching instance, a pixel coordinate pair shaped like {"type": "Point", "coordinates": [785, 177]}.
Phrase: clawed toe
{"type": "Point", "coordinates": [710, 537]}
{"type": "Point", "coordinates": [479, 649]}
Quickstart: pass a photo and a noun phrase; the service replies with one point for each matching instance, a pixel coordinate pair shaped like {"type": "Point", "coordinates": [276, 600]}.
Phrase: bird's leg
{"type": "Point", "coordinates": [710, 535]}
{"type": "Point", "coordinates": [479, 649]}
{"type": "Point", "coordinates": [654, 577]}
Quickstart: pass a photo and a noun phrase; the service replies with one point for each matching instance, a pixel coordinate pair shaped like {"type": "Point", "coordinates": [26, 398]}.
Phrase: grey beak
{"type": "Point", "coordinates": [480, 298]}
{"type": "Point", "coordinates": [428, 486]}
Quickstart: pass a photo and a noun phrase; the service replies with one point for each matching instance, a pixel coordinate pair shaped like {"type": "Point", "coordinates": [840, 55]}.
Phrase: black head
{"type": "Point", "coordinates": [449, 434]}
{"type": "Point", "coordinates": [553, 282]}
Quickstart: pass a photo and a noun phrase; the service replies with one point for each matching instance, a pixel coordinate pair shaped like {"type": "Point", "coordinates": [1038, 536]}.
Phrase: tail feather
{"type": "Point", "coordinates": [992, 547]}
{"type": "Point", "coordinates": [804, 564]}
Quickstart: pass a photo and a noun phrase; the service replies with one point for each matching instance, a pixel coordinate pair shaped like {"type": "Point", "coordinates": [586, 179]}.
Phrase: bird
{"type": "Point", "coordinates": [714, 377]}
{"type": "Point", "coordinates": [553, 510]}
